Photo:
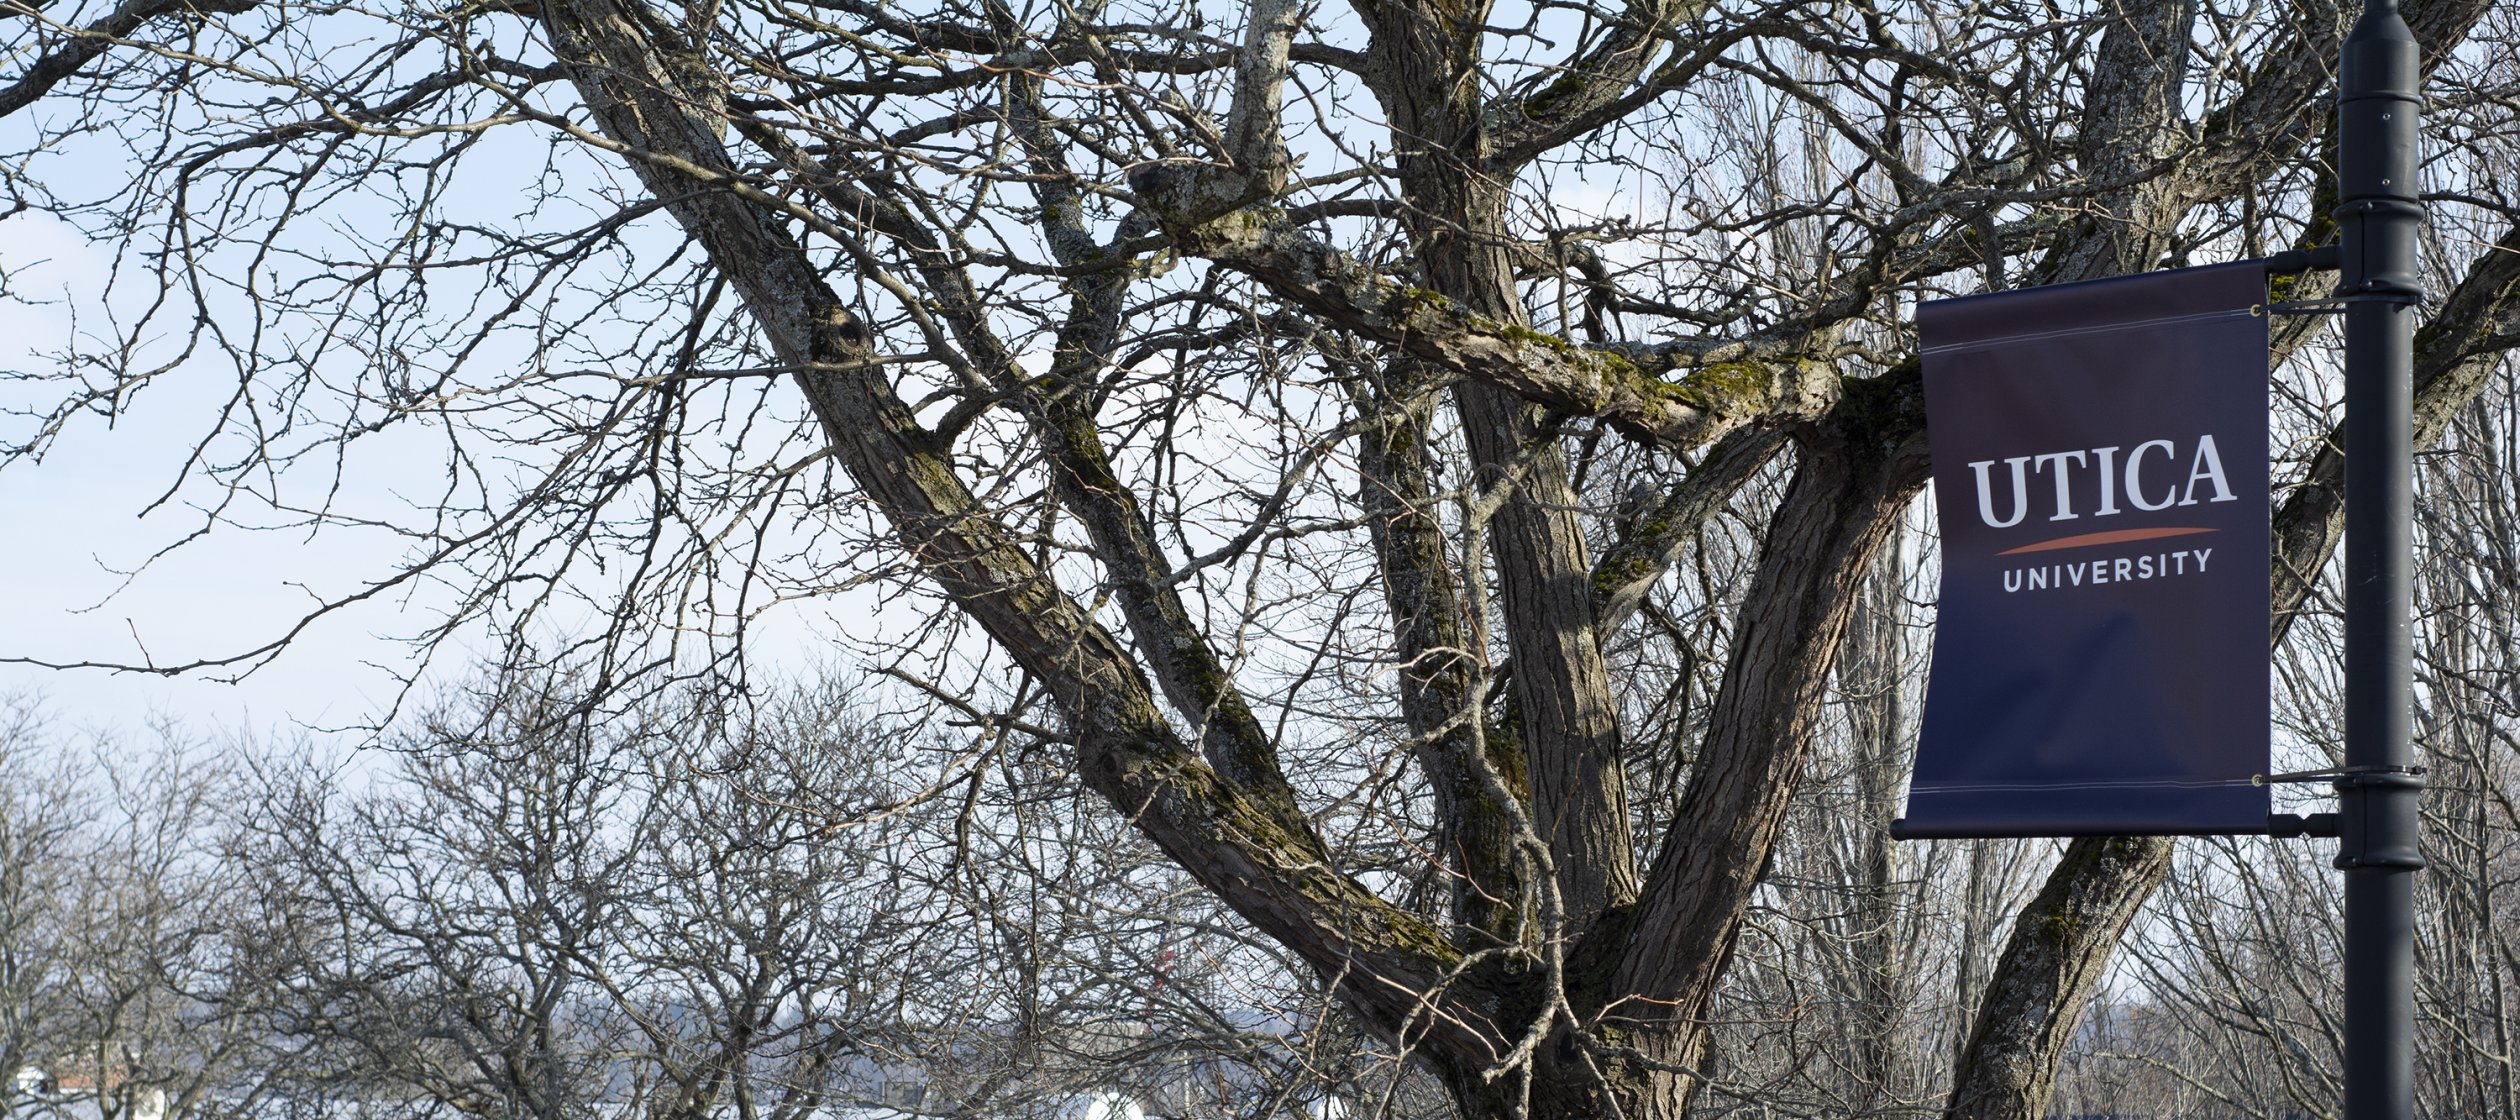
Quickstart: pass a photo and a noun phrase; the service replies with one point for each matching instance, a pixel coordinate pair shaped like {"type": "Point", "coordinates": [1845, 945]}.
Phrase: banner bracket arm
{"type": "Point", "coordinates": [2295, 826]}
{"type": "Point", "coordinates": [2325, 258]}
{"type": "Point", "coordinates": [2345, 775]}
{"type": "Point", "coordinates": [2336, 305]}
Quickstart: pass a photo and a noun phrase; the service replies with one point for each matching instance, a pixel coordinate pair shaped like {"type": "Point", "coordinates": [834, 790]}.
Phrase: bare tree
{"type": "Point", "coordinates": [1419, 461]}
{"type": "Point", "coordinates": [130, 950]}
{"type": "Point", "coordinates": [547, 910]}
{"type": "Point", "coordinates": [43, 822]}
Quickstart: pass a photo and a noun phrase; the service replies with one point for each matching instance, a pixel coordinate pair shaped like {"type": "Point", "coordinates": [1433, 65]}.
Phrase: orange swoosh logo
{"type": "Point", "coordinates": [2113, 536]}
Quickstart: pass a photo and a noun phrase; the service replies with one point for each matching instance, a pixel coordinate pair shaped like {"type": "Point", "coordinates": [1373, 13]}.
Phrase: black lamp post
{"type": "Point", "coordinates": [2378, 218]}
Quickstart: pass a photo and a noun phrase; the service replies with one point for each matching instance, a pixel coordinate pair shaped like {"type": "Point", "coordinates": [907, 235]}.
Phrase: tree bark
{"type": "Point", "coordinates": [1661, 960]}
{"type": "Point", "coordinates": [1477, 778]}
{"type": "Point", "coordinates": [1454, 196]}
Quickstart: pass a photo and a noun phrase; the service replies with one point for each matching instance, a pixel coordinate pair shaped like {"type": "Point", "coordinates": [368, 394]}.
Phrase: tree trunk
{"type": "Point", "coordinates": [1875, 666]}
{"type": "Point", "coordinates": [1847, 495]}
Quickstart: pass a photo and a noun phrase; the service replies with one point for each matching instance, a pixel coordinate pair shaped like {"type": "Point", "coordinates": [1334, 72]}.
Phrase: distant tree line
{"type": "Point", "coordinates": [522, 904]}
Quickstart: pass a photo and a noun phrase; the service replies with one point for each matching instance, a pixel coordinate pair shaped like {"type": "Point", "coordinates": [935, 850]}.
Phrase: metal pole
{"type": "Point", "coordinates": [2378, 219]}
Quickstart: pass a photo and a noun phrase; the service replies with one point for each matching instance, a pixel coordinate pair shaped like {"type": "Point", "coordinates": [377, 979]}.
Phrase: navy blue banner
{"type": "Point", "coordinates": [2100, 663]}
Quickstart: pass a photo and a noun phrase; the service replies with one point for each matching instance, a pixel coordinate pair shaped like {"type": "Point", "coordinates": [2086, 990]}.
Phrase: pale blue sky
{"type": "Point", "coordinates": [75, 521]}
